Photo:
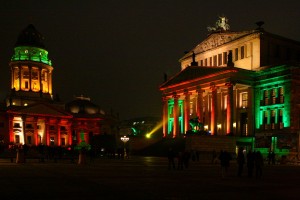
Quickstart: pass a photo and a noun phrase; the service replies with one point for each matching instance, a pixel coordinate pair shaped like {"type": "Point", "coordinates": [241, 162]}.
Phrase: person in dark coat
{"type": "Point", "coordinates": [241, 161]}
{"type": "Point", "coordinates": [250, 163]}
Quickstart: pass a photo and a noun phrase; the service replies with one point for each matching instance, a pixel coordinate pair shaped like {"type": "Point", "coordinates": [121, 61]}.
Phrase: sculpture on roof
{"type": "Point", "coordinates": [221, 25]}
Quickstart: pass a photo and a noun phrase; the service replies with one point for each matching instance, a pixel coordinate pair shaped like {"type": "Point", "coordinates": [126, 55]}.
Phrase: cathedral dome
{"type": "Point", "coordinates": [30, 37]}
{"type": "Point", "coordinates": [82, 105]}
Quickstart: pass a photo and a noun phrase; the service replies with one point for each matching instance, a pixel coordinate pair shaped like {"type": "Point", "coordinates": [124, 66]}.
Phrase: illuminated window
{"type": "Point", "coordinates": [265, 119]}
{"type": "Point", "coordinates": [273, 115]}
{"type": "Point", "coordinates": [266, 97]}
{"type": "Point", "coordinates": [244, 99]}
{"type": "Point", "coordinates": [280, 119]}
{"type": "Point", "coordinates": [281, 95]}
{"type": "Point", "coordinates": [273, 96]}
{"type": "Point", "coordinates": [236, 54]}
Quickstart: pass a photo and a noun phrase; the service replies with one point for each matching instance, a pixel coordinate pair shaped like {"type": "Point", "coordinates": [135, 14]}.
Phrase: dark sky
{"type": "Point", "coordinates": [116, 51]}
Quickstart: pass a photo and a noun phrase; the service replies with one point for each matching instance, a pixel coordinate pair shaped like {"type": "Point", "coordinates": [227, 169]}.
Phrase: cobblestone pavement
{"type": "Point", "coordinates": [142, 178]}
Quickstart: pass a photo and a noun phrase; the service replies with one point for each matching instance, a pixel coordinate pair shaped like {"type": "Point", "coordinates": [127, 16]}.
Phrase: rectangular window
{"type": "Point", "coordinates": [265, 122]}
{"type": "Point", "coordinates": [273, 116]}
{"type": "Point", "coordinates": [266, 97]}
{"type": "Point", "coordinates": [224, 58]}
{"type": "Point", "coordinates": [63, 141]}
{"type": "Point", "coordinates": [220, 59]}
{"type": "Point", "coordinates": [280, 119]}
{"type": "Point", "coordinates": [210, 61]}
{"type": "Point", "coordinates": [242, 52]}
{"type": "Point", "coordinates": [201, 63]}
{"type": "Point", "coordinates": [281, 95]}
{"type": "Point", "coordinates": [273, 96]}
{"type": "Point", "coordinates": [205, 63]}
{"type": "Point", "coordinates": [236, 54]}
{"type": "Point", "coordinates": [28, 139]}
{"type": "Point", "coordinates": [26, 85]}
{"type": "Point", "coordinates": [244, 100]}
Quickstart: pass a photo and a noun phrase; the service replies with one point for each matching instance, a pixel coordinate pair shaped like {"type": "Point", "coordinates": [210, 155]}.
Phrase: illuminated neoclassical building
{"type": "Point", "coordinates": [241, 84]}
{"type": "Point", "coordinates": [32, 115]}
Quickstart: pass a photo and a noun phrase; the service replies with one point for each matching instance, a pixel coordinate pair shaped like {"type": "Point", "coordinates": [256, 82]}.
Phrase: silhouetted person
{"type": "Point", "coordinates": [224, 158]}
{"type": "Point", "coordinates": [250, 163]}
{"type": "Point", "coordinates": [171, 157]}
{"type": "Point", "coordinates": [273, 157]}
{"type": "Point", "coordinates": [180, 161]}
{"type": "Point", "coordinates": [259, 163]}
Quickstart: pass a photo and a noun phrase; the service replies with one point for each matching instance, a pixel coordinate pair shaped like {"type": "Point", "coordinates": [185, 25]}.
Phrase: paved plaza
{"type": "Point", "coordinates": [141, 178]}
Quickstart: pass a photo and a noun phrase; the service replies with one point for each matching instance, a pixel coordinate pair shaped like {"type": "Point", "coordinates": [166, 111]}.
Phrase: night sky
{"type": "Point", "coordinates": [117, 51]}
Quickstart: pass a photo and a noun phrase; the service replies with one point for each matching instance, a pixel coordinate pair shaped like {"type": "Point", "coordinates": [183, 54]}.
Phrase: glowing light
{"type": "Point", "coordinates": [219, 125]}
{"type": "Point", "coordinates": [158, 126]}
{"type": "Point", "coordinates": [206, 127]}
{"type": "Point", "coordinates": [234, 125]}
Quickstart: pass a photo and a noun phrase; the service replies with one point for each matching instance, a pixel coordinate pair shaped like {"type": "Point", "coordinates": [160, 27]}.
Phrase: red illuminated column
{"type": "Point", "coordinates": [214, 112]}
{"type": "Point", "coordinates": [200, 105]}
{"type": "Point", "coordinates": [58, 135]}
{"type": "Point", "coordinates": [35, 132]}
{"type": "Point", "coordinates": [11, 129]}
{"type": "Point", "coordinates": [69, 134]}
{"type": "Point", "coordinates": [165, 116]}
{"type": "Point", "coordinates": [229, 115]}
{"type": "Point", "coordinates": [47, 133]}
{"type": "Point", "coordinates": [176, 115]}
{"type": "Point", "coordinates": [186, 111]}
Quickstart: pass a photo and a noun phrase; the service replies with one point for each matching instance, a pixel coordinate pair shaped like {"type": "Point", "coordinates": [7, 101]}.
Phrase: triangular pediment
{"type": "Point", "coordinates": [217, 39]}
{"type": "Point", "coordinates": [41, 109]}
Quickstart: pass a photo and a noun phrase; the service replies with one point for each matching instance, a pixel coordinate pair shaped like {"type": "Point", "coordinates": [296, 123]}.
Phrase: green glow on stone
{"type": "Point", "coordinates": [31, 53]}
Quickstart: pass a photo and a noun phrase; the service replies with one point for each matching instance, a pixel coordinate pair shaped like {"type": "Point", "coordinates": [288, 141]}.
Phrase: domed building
{"type": "Point", "coordinates": [32, 115]}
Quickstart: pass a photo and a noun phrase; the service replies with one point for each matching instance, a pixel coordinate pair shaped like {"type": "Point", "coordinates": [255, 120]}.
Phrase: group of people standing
{"type": "Point", "coordinates": [254, 161]}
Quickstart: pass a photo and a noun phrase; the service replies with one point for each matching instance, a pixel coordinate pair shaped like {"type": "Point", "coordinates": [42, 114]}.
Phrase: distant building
{"type": "Point", "coordinates": [239, 84]}
{"type": "Point", "coordinates": [32, 115]}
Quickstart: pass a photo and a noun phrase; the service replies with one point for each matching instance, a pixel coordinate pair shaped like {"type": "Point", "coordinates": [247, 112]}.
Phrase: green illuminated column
{"type": "Point", "coordinates": [165, 116]}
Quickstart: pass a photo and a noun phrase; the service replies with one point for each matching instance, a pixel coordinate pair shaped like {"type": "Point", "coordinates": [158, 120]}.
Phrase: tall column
{"type": "Point", "coordinates": [214, 108]}
{"type": "Point", "coordinates": [20, 78]}
{"type": "Point", "coordinates": [11, 129]}
{"type": "Point", "coordinates": [70, 139]}
{"type": "Point", "coordinates": [12, 77]}
{"type": "Point", "coordinates": [23, 128]}
{"type": "Point", "coordinates": [35, 132]}
{"type": "Point", "coordinates": [186, 111]}
{"type": "Point", "coordinates": [176, 115]}
{"type": "Point", "coordinates": [40, 79]}
{"type": "Point", "coordinates": [200, 105]}
{"type": "Point", "coordinates": [229, 113]}
{"type": "Point", "coordinates": [30, 77]}
{"type": "Point", "coordinates": [58, 134]}
{"type": "Point", "coordinates": [47, 132]}
{"type": "Point", "coordinates": [165, 116]}
{"type": "Point", "coordinates": [50, 82]}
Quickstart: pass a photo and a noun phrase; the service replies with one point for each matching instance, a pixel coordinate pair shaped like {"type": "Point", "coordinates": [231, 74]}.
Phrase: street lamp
{"type": "Point", "coordinates": [124, 140]}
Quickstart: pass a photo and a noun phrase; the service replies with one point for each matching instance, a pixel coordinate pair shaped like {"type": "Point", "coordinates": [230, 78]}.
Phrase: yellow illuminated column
{"type": "Point", "coordinates": [186, 111]}
{"type": "Point", "coordinates": [176, 115]}
{"type": "Point", "coordinates": [214, 109]}
{"type": "Point", "coordinates": [229, 114]}
{"type": "Point", "coordinates": [40, 79]}
{"type": "Point", "coordinates": [165, 116]}
{"type": "Point", "coordinates": [30, 78]}
{"type": "Point", "coordinates": [20, 77]}
{"type": "Point", "coordinates": [58, 135]}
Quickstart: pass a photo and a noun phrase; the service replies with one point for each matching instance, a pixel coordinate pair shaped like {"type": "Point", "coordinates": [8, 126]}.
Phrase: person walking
{"type": "Point", "coordinates": [241, 161]}
{"type": "Point", "coordinates": [224, 158]}
{"type": "Point", "coordinates": [250, 163]}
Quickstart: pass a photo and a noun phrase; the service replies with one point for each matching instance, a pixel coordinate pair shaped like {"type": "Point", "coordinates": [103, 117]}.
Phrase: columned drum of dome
{"type": "Point", "coordinates": [31, 70]}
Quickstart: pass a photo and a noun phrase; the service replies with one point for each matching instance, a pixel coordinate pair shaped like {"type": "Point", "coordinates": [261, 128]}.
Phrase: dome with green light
{"type": "Point", "coordinates": [30, 46]}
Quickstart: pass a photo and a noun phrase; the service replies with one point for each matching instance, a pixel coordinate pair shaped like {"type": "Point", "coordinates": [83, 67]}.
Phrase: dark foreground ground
{"type": "Point", "coordinates": [142, 178]}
